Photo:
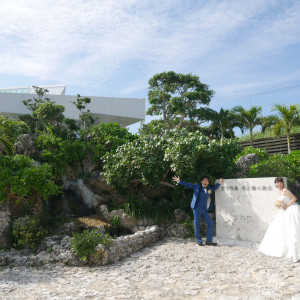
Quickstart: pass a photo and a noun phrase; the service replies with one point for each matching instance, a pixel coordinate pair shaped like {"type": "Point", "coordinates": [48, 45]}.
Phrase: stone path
{"type": "Point", "coordinates": [171, 269]}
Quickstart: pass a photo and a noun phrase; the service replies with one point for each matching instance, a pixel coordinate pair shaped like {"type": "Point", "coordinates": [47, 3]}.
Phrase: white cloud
{"type": "Point", "coordinates": [89, 42]}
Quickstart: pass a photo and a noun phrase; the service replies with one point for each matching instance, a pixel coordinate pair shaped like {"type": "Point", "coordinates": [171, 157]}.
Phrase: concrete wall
{"type": "Point", "coordinates": [245, 208]}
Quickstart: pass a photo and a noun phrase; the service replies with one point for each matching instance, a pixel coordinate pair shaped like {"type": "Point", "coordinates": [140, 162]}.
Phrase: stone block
{"type": "Point", "coordinates": [245, 208]}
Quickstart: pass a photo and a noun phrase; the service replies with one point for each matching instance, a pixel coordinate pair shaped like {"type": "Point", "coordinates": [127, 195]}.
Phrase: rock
{"type": "Point", "coordinates": [79, 198]}
{"type": "Point", "coordinates": [89, 165]}
{"type": "Point", "coordinates": [179, 230]}
{"type": "Point", "coordinates": [127, 222]}
{"type": "Point", "coordinates": [126, 245]}
{"type": "Point", "coordinates": [244, 163]}
{"type": "Point", "coordinates": [24, 145]}
{"type": "Point", "coordinates": [180, 216]}
{"type": "Point", "coordinates": [98, 200]}
{"type": "Point", "coordinates": [5, 216]}
{"type": "Point", "coordinates": [92, 222]}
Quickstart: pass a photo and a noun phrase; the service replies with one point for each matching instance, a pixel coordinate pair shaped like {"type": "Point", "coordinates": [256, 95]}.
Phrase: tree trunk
{"type": "Point", "coordinates": [288, 135]}
{"type": "Point", "coordinates": [251, 138]}
{"type": "Point", "coordinates": [180, 122]}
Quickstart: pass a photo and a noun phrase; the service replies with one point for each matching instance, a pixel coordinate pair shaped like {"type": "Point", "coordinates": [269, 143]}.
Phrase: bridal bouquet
{"type": "Point", "coordinates": [279, 204]}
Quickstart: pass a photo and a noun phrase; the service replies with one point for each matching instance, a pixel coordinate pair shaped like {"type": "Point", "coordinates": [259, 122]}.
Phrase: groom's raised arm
{"type": "Point", "coordinates": [184, 183]}
{"type": "Point", "coordinates": [217, 185]}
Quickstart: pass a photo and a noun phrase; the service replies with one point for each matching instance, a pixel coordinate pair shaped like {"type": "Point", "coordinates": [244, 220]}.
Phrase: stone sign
{"type": "Point", "coordinates": [245, 208]}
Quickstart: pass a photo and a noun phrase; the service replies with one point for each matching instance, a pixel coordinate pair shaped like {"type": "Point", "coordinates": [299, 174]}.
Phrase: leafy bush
{"type": "Point", "coordinates": [60, 154]}
{"type": "Point", "coordinates": [21, 179]}
{"type": "Point", "coordinates": [279, 165]}
{"type": "Point", "coordinates": [154, 159]}
{"type": "Point", "coordinates": [261, 153]}
{"type": "Point", "coordinates": [84, 243]}
{"type": "Point", "coordinates": [107, 137]}
{"type": "Point", "coordinates": [27, 233]}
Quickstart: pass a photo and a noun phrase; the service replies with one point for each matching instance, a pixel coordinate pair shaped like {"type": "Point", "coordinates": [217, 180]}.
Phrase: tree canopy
{"type": "Point", "coordinates": [177, 97]}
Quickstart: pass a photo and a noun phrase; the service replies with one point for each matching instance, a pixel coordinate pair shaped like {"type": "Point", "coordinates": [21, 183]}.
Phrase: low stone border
{"type": "Point", "coordinates": [126, 245]}
{"type": "Point", "coordinates": [56, 249]}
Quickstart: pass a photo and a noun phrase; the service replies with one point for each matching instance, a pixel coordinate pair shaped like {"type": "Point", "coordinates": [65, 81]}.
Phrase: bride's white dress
{"type": "Point", "coordinates": [282, 238]}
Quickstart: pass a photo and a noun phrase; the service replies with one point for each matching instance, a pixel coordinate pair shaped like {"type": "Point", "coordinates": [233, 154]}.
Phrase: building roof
{"type": "Point", "coordinates": [52, 89]}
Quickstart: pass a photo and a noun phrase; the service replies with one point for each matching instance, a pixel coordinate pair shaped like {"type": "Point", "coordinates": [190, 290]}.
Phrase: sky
{"type": "Point", "coordinates": [248, 52]}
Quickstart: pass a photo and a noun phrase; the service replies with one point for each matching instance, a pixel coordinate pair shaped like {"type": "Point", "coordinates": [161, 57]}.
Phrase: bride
{"type": "Point", "coordinates": [282, 238]}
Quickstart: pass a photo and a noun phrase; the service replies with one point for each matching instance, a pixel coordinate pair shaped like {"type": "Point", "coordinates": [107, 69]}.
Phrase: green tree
{"type": "Point", "coordinates": [33, 104]}
{"type": "Point", "coordinates": [249, 119]}
{"type": "Point", "coordinates": [107, 137]}
{"type": "Point", "coordinates": [85, 117]}
{"type": "Point", "coordinates": [177, 97]}
{"type": "Point", "coordinates": [50, 114]}
{"type": "Point", "coordinates": [287, 118]}
{"type": "Point", "coordinates": [223, 121]}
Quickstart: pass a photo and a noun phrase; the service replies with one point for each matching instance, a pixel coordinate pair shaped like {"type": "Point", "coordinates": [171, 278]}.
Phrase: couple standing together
{"type": "Point", "coordinates": [282, 238]}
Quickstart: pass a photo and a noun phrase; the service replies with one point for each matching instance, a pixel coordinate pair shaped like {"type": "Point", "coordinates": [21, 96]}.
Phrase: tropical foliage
{"type": "Point", "coordinates": [249, 119]}
{"type": "Point", "coordinates": [153, 160]}
{"type": "Point", "coordinates": [287, 118]}
{"type": "Point", "coordinates": [223, 122]}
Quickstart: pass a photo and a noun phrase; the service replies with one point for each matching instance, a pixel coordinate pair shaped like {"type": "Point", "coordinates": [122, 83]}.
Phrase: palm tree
{"type": "Point", "coordinates": [287, 118]}
{"type": "Point", "coordinates": [249, 119]}
{"type": "Point", "coordinates": [224, 121]}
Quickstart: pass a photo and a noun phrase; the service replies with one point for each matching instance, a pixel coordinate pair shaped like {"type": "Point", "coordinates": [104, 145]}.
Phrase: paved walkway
{"type": "Point", "coordinates": [171, 269]}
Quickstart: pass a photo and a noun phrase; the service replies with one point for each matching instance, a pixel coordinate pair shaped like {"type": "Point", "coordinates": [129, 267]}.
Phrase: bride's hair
{"type": "Point", "coordinates": [279, 179]}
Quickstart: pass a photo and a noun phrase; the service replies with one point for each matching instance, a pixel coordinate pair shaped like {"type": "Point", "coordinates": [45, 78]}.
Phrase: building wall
{"type": "Point", "coordinates": [125, 111]}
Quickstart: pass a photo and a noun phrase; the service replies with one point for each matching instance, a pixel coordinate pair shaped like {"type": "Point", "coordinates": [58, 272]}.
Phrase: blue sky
{"type": "Point", "coordinates": [248, 52]}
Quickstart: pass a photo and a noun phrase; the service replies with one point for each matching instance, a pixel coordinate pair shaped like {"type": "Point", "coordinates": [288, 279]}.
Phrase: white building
{"type": "Point", "coordinates": [125, 111]}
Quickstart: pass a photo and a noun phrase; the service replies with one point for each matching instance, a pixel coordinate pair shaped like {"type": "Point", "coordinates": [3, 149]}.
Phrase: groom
{"type": "Point", "coordinates": [199, 206]}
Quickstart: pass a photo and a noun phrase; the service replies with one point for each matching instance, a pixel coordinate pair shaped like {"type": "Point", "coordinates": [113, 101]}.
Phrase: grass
{"type": "Point", "coordinates": [268, 133]}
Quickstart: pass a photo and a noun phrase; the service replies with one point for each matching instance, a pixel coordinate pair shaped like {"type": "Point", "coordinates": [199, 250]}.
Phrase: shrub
{"type": "Point", "coordinates": [279, 165]}
{"type": "Point", "coordinates": [27, 233]}
{"type": "Point", "coordinates": [154, 159]}
{"type": "Point", "coordinates": [261, 153]}
{"type": "Point", "coordinates": [21, 179]}
{"type": "Point", "coordinates": [142, 208]}
{"type": "Point", "coordinates": [84, 243]}
{"type": "Point", "coordinates": [60, 154]}
{"type": "Point", "coordinates": [107, 137]}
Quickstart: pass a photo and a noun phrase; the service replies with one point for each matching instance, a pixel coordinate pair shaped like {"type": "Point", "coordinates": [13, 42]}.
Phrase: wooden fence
{"type": "Point", "coordinates": [275, 145]}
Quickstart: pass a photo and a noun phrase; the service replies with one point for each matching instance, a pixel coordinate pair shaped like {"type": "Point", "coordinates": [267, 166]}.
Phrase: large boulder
{"type": "Point", "coordinates": [244, 163]}
{"type": "Point", "coordinates": [77, 198]}
{"type": "Point", "coordinates": [24, 145]}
